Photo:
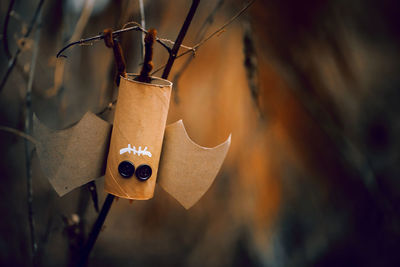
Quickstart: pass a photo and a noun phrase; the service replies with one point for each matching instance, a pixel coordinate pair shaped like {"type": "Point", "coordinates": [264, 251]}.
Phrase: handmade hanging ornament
{"type": "Point", "coordinates": [135, 152]}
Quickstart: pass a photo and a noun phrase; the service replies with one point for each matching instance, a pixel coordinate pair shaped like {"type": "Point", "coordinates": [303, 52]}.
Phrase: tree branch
{"type": "Point", "coordinates": [114, 33]}
{"type": "Point", "coordinates": [179, 39]}
{"type": "Point", "coordinates": [194, 48]}
{"type": "Point", "coordinates": [94, 233]}
{"type": "Point", "coordinates": [143, 23]}
{"type": "Point", "coordinates": [19, 133]}
{"type": "Point", "coordinates": [12, 62]}
{"type": "Point", "coordinates": [200, 35]}
{"type": "Point", "coordinates": [28, 126]}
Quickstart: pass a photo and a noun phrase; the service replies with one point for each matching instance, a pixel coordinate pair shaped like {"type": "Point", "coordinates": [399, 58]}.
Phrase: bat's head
{"type": "Point", "coordinates": [137, 136]}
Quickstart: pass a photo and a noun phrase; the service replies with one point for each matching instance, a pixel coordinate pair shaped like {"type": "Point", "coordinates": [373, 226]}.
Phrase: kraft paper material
{"type": "Point", "coordinates": [137, 135]}
{"type": "Point", "coordinates": [187, 170]}
{"type": "Point", "coordinates": [75, 156]}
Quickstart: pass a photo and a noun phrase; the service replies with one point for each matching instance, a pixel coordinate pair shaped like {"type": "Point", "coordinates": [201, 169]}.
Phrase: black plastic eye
{"type": "Point", "coordinates": [126, 169]}
{"type": "Point", "coordinates": [143, 172]}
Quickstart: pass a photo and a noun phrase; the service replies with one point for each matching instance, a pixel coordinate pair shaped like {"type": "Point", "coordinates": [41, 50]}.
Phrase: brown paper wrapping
{"type": "Point", "coordinates": [187, 170]}
{"type": "Point", "coordinates": [140, 118]}
{"type": "Point", "coordinates": [75, 156]}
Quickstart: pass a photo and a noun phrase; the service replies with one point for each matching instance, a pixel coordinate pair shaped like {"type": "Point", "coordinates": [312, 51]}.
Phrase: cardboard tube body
{"type": "Point", "coordinates": [137, 135]}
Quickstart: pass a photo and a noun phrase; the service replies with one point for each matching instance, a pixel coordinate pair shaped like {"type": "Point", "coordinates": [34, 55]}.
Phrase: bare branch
{"type": "Point", "coordinates": [200, 35]}
{"type": "Point", "coordinates": [99, 37]}
{"type": "Point", "coordinates": [11, 63]}
{"type": "Point", "coordinates": [93, 192]}
{"type": "Point", "coordinates": [28, 126]}
{"type": "Point", "coordinates": [143, 23]}
{"type": "Point", "coordinates": [79, 28]}
{"type": "Point", "coordinates": [220, 30]}
{"type": "Point", "coordinates": [19, 133]}
{"type": "Point", "coordinates": [173, 54]}
{"type": "Point", "coordinates": [94, 233]}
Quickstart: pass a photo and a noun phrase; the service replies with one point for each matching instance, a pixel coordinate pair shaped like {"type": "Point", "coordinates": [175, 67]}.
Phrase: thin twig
{"type": "Point", "coordinates": [19, 133]}
{"type": "Point", "coordinates": [5, 28]}
{"type": "Point", "coordinates": [200, 35]}
{"type": "Point", "coordinates": [179, 39]}
{"type": "Point", "coordinates": [114, 33]}
{"type": "Point", "coordinates": [93, 192]}
{"type": "Point", "coordinates": [94, 234]}
{"type": "Point", "coordinates": [11, 63]}
{"type": "Point", "coordinates": [172, 43]}
{"type": "Point", "coordinates": [221, 28]}
{"type": "Point", "coordinates": [194, 48]}
{"type": "Point", "coordinates": [78, 30]}
{"type": "Point", "coordinates": [209, 21]}
{"type": "Point", "coordinates": [143, 23]}
{"type": "Point", "coordinates": [83, 19]}
{"type": "Point", "coordinates": [28, 126]}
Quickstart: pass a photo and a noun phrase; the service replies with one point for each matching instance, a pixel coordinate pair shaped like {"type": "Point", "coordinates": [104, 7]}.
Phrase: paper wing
{"type": "Point", "coordinates": [75, 156]}
{"type": "Point", "coordinates": [187, 170]}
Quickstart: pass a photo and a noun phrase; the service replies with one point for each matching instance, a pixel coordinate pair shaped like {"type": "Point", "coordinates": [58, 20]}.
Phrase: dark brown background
{"type": "Point", "coordinates": [313, 181]}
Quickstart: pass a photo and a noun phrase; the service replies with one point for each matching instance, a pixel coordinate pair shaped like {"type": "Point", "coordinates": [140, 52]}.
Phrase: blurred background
{"type": "Point", "coordinates": [309, 90]}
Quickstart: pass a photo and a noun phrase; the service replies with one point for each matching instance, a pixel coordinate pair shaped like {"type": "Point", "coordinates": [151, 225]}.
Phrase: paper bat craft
{"type": "Point", "coordinates": [133, 153]}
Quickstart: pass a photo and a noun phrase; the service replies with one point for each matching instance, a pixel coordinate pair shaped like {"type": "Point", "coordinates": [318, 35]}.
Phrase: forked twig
{"type": "Point", "coordinates": [200, 35]}
{"type": "Point", "coordinates": [114, 33]}
{"type": "Point", "coordinates": [173, 54]}
{"type": "Point", "coordinates": [194, 48]}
